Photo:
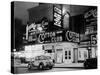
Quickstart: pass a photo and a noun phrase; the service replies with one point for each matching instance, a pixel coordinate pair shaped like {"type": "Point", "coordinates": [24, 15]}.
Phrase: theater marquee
{"type": "Point", "coordinates": [58, 36]}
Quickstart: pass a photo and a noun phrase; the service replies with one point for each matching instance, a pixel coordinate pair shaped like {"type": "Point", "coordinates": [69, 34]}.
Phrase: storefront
{"type": "Point", "coordinates": [83, 54]}
{"type": "Point", "coordinates": [88, 40]}
{"type": "Point", "coordinates": [65, 52]}
{"type": "Point", "coordinates": [33, 50]}
{"type": "Point", "coordinates": [93, 45]}
{"type": "Point", "coordinates": [88, 47]}
{"type": "Point", "coordinates": [57, 41]}
{"type": "Point", "coordinates": [61, 52]}
{"type": "Point", "coordinates": [49, 50]}
{"type": "Point", "coordinates": [61, 45]}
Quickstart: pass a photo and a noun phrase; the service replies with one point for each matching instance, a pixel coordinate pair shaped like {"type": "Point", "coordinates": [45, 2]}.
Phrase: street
{"type": "Point", "coordinates": [18, 70]}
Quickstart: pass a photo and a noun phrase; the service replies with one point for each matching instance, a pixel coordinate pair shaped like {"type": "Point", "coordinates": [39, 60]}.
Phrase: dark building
{"type": "Point", "coordinates": [77, 23]}
{"type": "Point", "coordinates": [79, 19]}
{"type": "Point", "coordinates": [43, 10]}
{"type": "Point", "coordinates": [53, 12]}
{"type": "Point", "coordinates": [17, 36]}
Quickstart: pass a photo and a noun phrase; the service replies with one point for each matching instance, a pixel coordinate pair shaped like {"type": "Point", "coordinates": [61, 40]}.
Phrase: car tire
{"type": "Point", "coordinates": [29, 67]}
{"type": "Point", "coordinates": [41, 66]}
{"type": "Point", "coordinates": [86, 66]}
{"type": "Point", "coordinates": [50, 67]}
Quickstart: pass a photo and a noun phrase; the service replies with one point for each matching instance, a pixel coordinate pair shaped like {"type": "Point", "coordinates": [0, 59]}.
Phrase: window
{"type": "Point", "coordinates": [67, 54]}
{"type": "Point", "coordinates": [66, 57]}
{"type": "Point", "coordinates": [48, 51]}
{"type": "Point", "coordinates": [48, 57]}
{"type": "Point", "coordinates": [36, 58]}
{"type": "Point", "coordinates": [42, 57]}
{"type": "Point", "coordinates": [85, 54]}
{"type": "Point", "coordinates": [80, 54]}
{"type": "Point", "coordinates": [69, 57]}
{"type": "Point", "coordinates": [59, 49]}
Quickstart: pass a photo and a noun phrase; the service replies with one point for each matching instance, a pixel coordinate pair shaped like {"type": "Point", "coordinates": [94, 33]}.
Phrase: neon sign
{"type": "Point", "coordinates": [92, 12]}
{"type": "Point", "coordinates": [93, 39]}
{"type": "Point", "coordinates": [72, 36]}
{"type": "Point", "coordinates": [58, 36]}
{"type": "Point", "coordinates": [57, 16]}
{"type": "Point", "coordinates": [49, 37]}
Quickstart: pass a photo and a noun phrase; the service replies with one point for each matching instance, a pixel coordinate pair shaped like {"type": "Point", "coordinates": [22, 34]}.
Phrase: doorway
{"type": "Point", "coordinates": [68, 56]}
{"type": "Point", "coordinates": [75, 55]}
{"type": "Point", "coordinates": [59, 56]}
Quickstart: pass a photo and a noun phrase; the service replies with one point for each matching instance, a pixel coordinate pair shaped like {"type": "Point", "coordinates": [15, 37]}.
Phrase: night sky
{"type": "Point", "coordinates": [20, 10]}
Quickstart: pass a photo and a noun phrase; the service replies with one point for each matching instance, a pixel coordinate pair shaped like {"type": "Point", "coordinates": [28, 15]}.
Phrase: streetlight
{"type": "Point", "coordinates": [14, 50]}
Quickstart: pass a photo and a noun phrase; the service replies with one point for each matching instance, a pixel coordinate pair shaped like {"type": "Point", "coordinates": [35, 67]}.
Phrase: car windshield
{"type": "Point", "coordinates": [48, 57]}
{"type": "Point", "coordinates": [43, 57]}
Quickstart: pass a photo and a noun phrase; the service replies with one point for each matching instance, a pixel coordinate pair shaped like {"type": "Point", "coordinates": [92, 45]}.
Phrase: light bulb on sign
{"type": "Point", "coordinates": [63, 11]}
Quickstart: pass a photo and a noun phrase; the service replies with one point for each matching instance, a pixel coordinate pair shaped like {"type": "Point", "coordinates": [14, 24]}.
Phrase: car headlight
{"type": "Point", "coordinates": [51, 60]}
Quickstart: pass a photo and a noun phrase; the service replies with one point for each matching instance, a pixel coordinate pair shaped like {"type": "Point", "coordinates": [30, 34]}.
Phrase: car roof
{"type": "Point", "coordinates": [43, 55]}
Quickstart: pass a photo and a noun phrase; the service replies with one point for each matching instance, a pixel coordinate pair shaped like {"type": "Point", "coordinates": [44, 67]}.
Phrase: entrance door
{"type": "Point", "coordinates": [75, 55]}
{"type": "Point", "coordinates": [68, 56]}
{"type": "Point", "coordinates": [59, 54]}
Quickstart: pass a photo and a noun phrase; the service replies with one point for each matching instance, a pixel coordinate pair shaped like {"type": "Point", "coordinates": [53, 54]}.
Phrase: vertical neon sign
{"type": "Point", "coordinates": [57, 15]}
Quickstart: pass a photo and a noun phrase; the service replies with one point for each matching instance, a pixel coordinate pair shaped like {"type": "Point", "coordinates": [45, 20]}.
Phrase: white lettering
{"type": "Point", "coordinates": [57, 20]}
{"type": "Point", "coordinates": [33, 25]}
{"type": "Point", "coordinates": [57, 16]}
{"type": "Point", "coordinates": [57, 10]}
{"type": "Point", "coordinates": [91, 12]}
{"type": "Point", "coordinates": [72, 36]}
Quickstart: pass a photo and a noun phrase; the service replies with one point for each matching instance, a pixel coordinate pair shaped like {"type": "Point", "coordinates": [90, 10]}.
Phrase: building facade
{"type": "Point", "coordinates": [64, 41]}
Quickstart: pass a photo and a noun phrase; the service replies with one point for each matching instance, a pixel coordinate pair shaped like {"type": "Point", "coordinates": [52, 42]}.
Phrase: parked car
{"type": "Point", "coordinates": [90, 63]}
{"type": "Point", "coordinates": [41, 62]}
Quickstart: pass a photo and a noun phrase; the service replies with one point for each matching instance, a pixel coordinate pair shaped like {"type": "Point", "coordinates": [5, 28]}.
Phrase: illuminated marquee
{"type": "Point", "coordinates": [58, 36]}
{"type": "Point", "coordinates": [49, 37]}
{"type": "Point", "coordinates": [72, 36]}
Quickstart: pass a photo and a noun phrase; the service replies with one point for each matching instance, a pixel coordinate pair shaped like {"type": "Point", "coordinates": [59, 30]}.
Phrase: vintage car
{"type": "Point", "coordinates": [90, 63]}
{"type": "Point", "coordinates": [41, 62]}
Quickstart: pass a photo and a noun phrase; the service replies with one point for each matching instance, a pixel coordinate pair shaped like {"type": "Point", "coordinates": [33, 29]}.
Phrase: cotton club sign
{"type": "Point", "coordinates": [50, 37]}
{"type": "Point", "coordinates": [72, 36]}
{"type": "Point", "coordinates": [58, 36]}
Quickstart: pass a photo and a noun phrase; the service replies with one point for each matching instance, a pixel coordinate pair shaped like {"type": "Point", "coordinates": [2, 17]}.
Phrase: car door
{"type": "Point", "coordinates": [43, 60]}
{"type": "Point", "coordinates": [37, 60]}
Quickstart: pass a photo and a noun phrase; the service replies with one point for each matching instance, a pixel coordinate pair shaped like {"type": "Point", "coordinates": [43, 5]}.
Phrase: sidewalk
{"type": "Point", "coordinates": [21, 65]}
{"type": "Point", "coordinates": [63, 65]}
{"type": "Point", "coordinates": [72, 65]}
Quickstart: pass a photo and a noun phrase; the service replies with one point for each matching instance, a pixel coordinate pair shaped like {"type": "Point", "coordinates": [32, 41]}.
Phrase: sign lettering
{"type": "Point", "coordinates": [93, 40]}
{"type": "Point", "coordinates": [49, 37]}
{"type": "Point", "coordinates": [58, 36]}
{"type": "Point", "coordinates": [52, 37]}
{"type": "Point", "coordinates": [57, 16]}
{"type": "Point", "coordinates": [72, 36]}
{"type": "Point", "coordinates": [92, 12]}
